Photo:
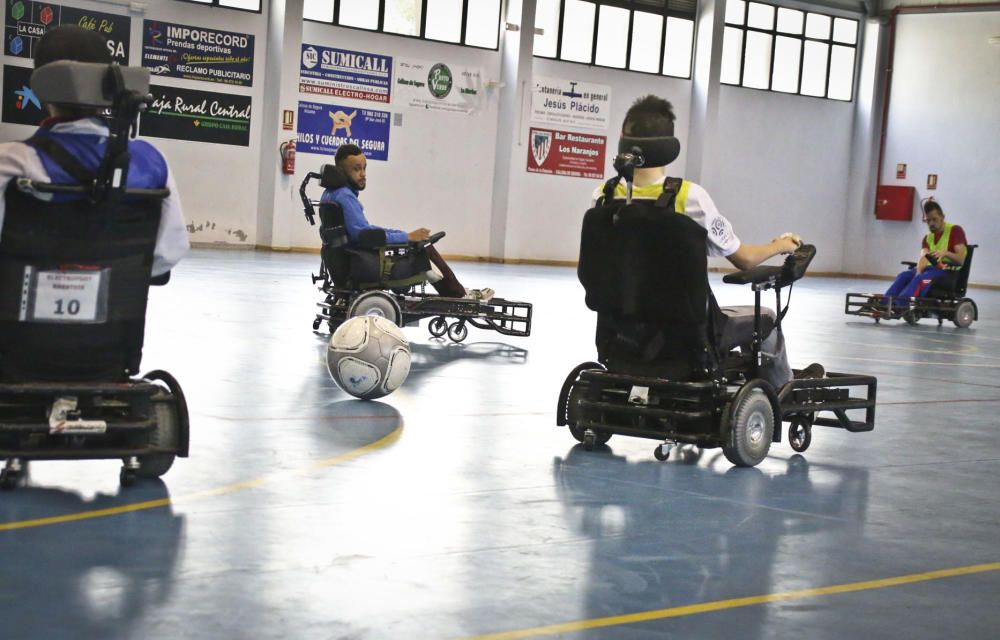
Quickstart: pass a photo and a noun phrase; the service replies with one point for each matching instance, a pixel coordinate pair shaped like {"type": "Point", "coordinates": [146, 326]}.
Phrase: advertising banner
{"type": "Point", "coordinates": [25, 21]}
{"type": "Point", "coordinates": [324, 127]}
{"type": "Point", "coordinates": [20, 105]}
{"type": "Point", "coordinates": [194, 53]}
{"type": "Point", "coordinates": [564, 102]}
{"type": "Point", "coordinates": [341, 73]}
{"type": "Point", "coordinates": [198, 116]}
{"type": "Point", "coordinates": [564, 153]}
{"type": "Point", "coordinates": [437, 86]}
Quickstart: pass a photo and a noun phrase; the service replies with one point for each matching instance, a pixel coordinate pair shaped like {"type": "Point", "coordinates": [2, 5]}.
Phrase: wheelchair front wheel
{"type": "Point", "coordinates": [964, 314]}
{"type": "Point", "coordinates": [751, 429]}
{"type": "Point", "coordinates": [800, 434]}
{"type": "Point", "coordinates": [438, 326]}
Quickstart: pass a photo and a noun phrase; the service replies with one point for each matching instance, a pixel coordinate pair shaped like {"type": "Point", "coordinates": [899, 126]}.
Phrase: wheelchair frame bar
{"type": "Point", "coordinates": [839, 407]}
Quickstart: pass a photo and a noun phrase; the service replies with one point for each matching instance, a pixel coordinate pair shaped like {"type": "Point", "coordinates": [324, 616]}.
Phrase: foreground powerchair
{"type": "Point", "coordinates": [945, 299]}
{"type": "Point", "coordinates": [373, 277]}
{"type": "Point", "coordinates": [75, 271]}
{"type": "Point", "coordinates": [674, 367]}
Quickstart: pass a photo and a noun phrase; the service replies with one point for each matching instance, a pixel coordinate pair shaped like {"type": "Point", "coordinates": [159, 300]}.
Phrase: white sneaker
{"type": "Point", "coordinates": [483, 295]}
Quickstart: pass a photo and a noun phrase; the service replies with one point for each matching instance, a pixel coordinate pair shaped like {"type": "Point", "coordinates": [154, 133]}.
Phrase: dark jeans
{"type": "Point", "coordinates": [449, 285]}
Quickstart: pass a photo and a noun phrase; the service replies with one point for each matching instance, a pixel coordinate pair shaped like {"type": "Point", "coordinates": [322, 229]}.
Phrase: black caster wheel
{"type": "Point", "coordinates": [911, 318]}
{"type": "Point", "coordinates": [589, 440]}
{"type": "Point", "coordinates": [316, 324]}
{"type": "Point", "coordinates": [662, 452]}
{"type": "Point", "coordinates": [800, 435]}
{"type": "Point", "coordinates": [126, 477]}
{"type": "Point", "coordinates": [458, 331]}
{"type": "Point", "coordinates": [438, 326]}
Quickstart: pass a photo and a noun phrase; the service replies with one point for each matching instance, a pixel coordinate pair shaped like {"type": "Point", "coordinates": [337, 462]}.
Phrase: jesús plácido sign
{"type": "Point", "coordinates": [438, 86]}
{"type": "Point", "coordinates": [342, 73]}
{"type": "Point", "coordinates": [568, 102]}
{"type": "Point", "coordinates": [198, 116]}
{"type": "Point", "coordinates": [323, 128]}
{"type": "Point", "coordinates": [195, 53]}
{"type": "Point", "coordinates": [26, 21]}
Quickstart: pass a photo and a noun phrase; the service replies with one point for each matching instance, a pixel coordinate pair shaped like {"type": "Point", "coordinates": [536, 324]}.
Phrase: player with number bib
{"type": "Point", "coordinates": [67, 149]}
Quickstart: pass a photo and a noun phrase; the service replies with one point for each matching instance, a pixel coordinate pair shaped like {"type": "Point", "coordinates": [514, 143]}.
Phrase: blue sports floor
{"type": "Point", "coordinates": [455, 508]}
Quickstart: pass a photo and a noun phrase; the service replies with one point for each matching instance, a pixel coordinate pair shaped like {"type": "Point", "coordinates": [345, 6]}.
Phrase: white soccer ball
{"type": "Point", "coordinates": [368, 357]}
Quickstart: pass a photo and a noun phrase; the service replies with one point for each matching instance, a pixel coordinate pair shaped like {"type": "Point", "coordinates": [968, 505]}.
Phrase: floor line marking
{"type": "Point", "coordinates": [244, 485]}
{"type": "Point", "coordinates": [720, 605]}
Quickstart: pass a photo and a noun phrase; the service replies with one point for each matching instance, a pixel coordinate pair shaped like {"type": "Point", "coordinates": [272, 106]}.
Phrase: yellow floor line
{"type": "Point", "coordinates": [207, 493]}
{"type": "Point", "coordinates": [720, 605]}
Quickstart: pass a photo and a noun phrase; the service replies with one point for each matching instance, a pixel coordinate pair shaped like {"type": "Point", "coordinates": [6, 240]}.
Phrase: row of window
{"type": "Point", "coordinates": [764, 46]}
{"type": "Point", "coordinates": [475, 23]}
{"type": "Point", "coordinates": [790, 51]}
{"type": "Point", "coordinates": [652, 36]}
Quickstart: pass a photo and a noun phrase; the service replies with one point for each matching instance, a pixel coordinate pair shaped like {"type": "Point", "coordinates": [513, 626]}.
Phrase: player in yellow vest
{"type": "Point", "coordinates": [943, 251]}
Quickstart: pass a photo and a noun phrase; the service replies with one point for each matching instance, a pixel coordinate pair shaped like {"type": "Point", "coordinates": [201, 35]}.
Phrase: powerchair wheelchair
{"type": "Point", "coordinates": [75, 271]}
{"type": "Point", "coordinates": [373, 277]}
{"type": "Point", "coordinates": [945, 299]}
{"type": "Point", "coordinates": [672, 365]}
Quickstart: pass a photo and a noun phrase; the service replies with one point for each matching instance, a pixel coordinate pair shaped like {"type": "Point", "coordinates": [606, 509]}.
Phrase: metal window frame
{"type": "Point", "coordinates": [215, 5]}
{"type": "Point", "coordinates": [463, 34]}
{"type": "Point", "coordinates": [803, 39]}
{"type": "Point", "coordinates": [632, 8]}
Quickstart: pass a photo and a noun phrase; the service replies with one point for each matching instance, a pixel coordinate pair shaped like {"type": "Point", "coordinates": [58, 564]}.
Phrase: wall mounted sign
{"type": "Point", "coordinates": [20, 105]}
{"type": "Point", "coordinates": [932, 181]}
{"type": "Point", "coordinates": [342, 73]}
{"type": "Point", "coordinates": [324, 127]}
{"type": "Point", "coordinates": [565, 153]}
{"type": "Point", "coordinates": [194, 53]}
{"type": "Point", "coordinates": [439, 86]}
{"type": "Point", "coordinates": [901, 171]}
{"type": "Point", "coordinates": [198, 116]}
{"type": "Point", "coordinates": [26, 20]}
{"type": "Point", "coordinates": [567, 102]}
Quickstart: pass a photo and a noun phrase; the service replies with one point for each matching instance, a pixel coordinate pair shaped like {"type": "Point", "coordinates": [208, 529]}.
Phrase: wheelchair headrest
{"type": "Point", "coordinates": [331, 177]}
{"type": "Point", "coordinates": [85, 84]}
{"type": "Point", "coordinates": [658, 151]}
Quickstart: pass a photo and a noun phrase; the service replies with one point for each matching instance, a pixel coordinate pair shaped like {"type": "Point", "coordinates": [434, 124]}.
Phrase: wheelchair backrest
{"type": "Point", "coordinates": [74, 280]}
{"type": "Point", "coordinates": [645, 272]}
{"type": "Point", "coordinates": [76, 259]}
{"type": "Point", "coordinates": [962, 282]}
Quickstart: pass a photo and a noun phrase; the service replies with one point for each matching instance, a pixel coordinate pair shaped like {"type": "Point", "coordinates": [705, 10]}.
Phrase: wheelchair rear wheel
{"type": "Point", "coordinates": [964, 314]}
{"type": "Point", "coordinates": [376, 303]}
{"type": "Point", "coordinates": [599, 437]}
{"type": "Point", "coordinates": [751, 429]}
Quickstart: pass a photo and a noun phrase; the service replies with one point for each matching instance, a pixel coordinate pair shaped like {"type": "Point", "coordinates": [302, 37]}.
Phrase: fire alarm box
{"type": "Point", "coordinates": [894, 203]}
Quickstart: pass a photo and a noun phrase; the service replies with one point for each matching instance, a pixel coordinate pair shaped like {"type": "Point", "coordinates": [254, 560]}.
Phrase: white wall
{"type": "Point", "coordinates": [780, 163]}
{"type": "Point", "coordinates": [217, 182]}
{"type": "Point", "coordinates": [943, 120]}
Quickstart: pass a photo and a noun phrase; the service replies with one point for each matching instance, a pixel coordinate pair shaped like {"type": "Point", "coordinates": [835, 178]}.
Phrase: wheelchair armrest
{"type": "Point", "coordinates": [371, 239]}
{"type": "Point", "coordinates": [794, 267]}
{"type": "Point", "coordinates": [909, 263]}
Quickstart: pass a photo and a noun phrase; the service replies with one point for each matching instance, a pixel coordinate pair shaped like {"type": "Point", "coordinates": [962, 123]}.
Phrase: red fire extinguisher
{"type": "Point", "coordinates": [287, 151]}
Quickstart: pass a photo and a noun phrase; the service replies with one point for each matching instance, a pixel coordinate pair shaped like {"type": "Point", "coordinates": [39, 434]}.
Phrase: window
{"type": "Point", "coordinates": [789, 51]}
{"type": "Point", "coordinates": [475, 23]}
{"type": "Point", "coordinates": [649, 36]}
{"type": "Point", "coordinates": [245, 5]}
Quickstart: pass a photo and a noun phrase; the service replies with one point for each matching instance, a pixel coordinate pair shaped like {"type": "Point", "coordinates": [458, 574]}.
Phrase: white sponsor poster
{"type": "Point", "coordinates": [438, 86]}
{"type": "Point", "coordinates": [568, 102]}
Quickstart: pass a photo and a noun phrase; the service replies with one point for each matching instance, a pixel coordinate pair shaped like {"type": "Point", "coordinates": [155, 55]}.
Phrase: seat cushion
{"type": "Point", "coordinates": [737, 326]}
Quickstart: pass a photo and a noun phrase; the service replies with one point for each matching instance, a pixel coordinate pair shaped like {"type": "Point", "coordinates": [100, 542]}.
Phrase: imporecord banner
{"type": "Point", "coordinates": [25, 21]}
{"type": "Point", "coordinates": [342, 73]}
{"type": "Point", "coordinates": [198, 116]}
{"type": "Point", "coordinates": [324, 127]}
{"type": "Point", "coordinates": [193, 53]}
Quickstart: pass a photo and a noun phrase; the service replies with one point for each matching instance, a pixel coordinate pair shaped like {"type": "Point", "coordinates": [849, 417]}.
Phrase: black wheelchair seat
{"type": "Point", "coordinates": [736, 328]}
